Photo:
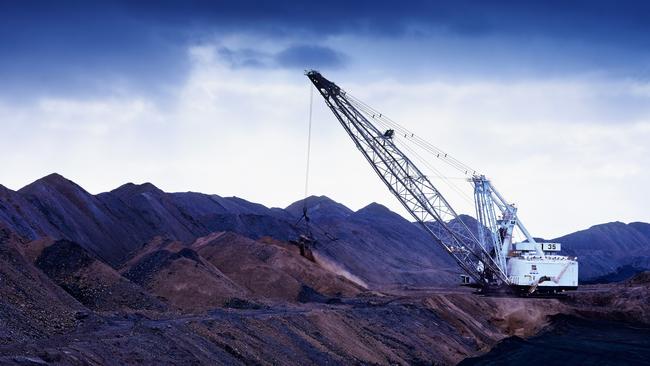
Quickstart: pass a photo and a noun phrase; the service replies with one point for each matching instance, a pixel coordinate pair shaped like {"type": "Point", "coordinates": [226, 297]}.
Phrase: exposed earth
{"type": "Point", "coordinates": [139, 276]}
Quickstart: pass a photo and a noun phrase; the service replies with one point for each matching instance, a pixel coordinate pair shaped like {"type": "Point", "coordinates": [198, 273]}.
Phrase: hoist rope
{"type": "Point", "coordinates": [304, 216]}
{"type": "Point", "coordinates": [311, 104]}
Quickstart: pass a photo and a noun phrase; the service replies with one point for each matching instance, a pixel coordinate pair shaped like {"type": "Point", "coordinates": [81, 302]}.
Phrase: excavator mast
{"type": "Point", "coordinates": [410, 186]}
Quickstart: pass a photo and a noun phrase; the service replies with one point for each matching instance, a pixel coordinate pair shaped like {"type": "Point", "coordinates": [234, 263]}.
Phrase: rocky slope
{"type": "Point", "coordinates": [180, 277]}
{"type": "Point", "coordinates": [292, 310]}
{"type": "Point", "coordinates": [92, 282]}
{"type": "Point", "coordinates": [626, 301]}
{"type": "Point", "coordinates": [375, 245]}
{"type": "Point", "coordinates": [271, 269]}
{"type": "Point", "coordinates": [138, 275]}
{"type": "Point", "coordinates": [31, 305]}
{"type": "Point", "coordinates": [607, 248]}
{"type": "Point", "coordinates": [113, 226]}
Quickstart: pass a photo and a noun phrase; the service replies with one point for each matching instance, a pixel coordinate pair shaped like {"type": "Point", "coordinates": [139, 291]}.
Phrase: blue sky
{"type": "Point", "coordinates": [549, 99]}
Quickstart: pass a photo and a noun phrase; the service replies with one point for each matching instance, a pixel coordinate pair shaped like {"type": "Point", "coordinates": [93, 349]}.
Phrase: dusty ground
{"type": "Point", "coordinates": [441, 328]}
{"type": "Point", "coordinates": [226, 299]}
{"type": "Point", "coordinates": [420, 327]}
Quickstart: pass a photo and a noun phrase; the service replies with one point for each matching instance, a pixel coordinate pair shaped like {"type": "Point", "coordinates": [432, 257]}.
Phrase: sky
{"type": "Point", "coordinates": [550, 100]}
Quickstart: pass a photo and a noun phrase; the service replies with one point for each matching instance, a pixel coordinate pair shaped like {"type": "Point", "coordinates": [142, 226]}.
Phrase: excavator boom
{"type": "Point", "coordinates": [409, 185]}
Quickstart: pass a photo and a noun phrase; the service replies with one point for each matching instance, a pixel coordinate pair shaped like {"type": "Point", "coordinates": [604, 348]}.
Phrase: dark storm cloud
{"type": "Point", "coordinates": [623, 21]}
{"type": "Point", "coordinates": [48, 46]}
{"type": "Point", "coordinates": [306, 56]}
{"type": "Point", "coordinates": [293, 57]}
{"type": "Point", "coordinates": [63, 47]}
{"type": "Point", "coordinates": [244, 58]}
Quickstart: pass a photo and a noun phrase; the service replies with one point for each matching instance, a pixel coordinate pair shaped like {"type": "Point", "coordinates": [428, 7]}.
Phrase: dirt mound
{"type": "Point", "coordinates": [33, 249]}
{"type": "Point", "coordinates": [269, 269]}
{"type": "Point", "coordinates": [156, 243]}
{"type": "Point", "coordinates": [642, 278]}
{"type": "Point", "coordinates": [91, 281]}
{"type": "Point", "coordinates": [181, 277]}
{"type": "Point", "coordinates": [31, 306]}
{"type": "Point", "coordinates": [625, 301]}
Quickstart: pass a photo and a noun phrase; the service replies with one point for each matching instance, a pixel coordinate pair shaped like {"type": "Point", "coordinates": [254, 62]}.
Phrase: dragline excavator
{"type": "Point", "coordinates": [488, 255]}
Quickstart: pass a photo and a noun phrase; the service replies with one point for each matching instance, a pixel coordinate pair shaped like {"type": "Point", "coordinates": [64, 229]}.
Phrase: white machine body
{"type": "Point", "coordinates": [528, 265]}
{"type": "Point", "coordinates": [550, 273]}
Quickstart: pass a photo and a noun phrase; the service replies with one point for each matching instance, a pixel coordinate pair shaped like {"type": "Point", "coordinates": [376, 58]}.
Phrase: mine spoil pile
{"type": "Point", "coordinates": [259, 302]}
{"type": "Point", "coordinates": [268, 305]}
{"type": "Point", "coordinates": [140, 276]}
{"type": "Point", "coordinates": [627, 301]}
